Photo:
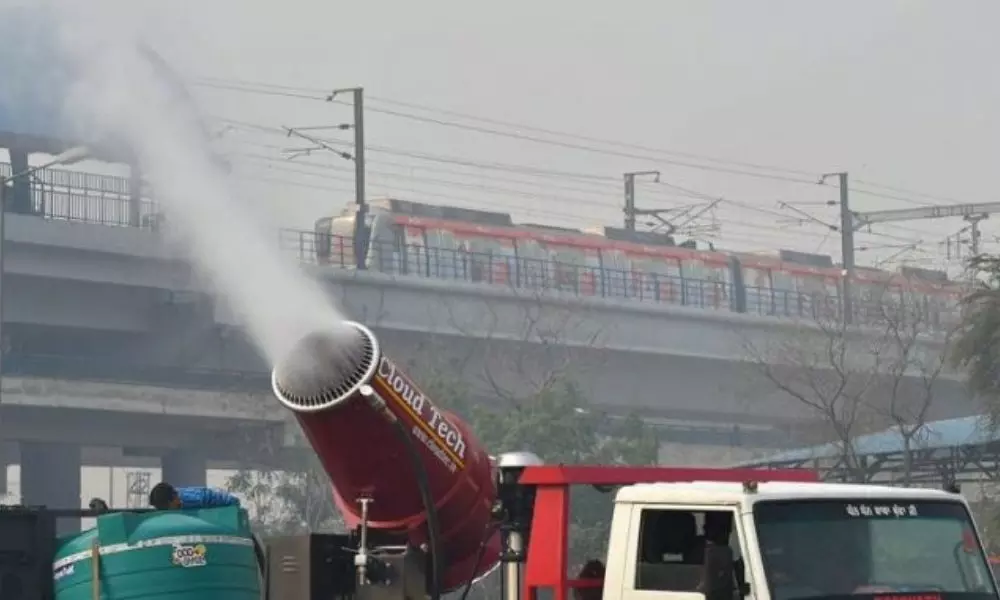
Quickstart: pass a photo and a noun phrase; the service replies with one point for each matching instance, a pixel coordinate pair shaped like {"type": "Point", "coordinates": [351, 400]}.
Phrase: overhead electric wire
{"type": "Point", "coordinates": [535, 172]}
{"type": "Point", "coordinates": [524, 193]}
{"type": "Point", "coordinates": [589, 178]}
{"type": "Point", "coordinates": [607, 192]}
{"type": "Point", "coordinates": [900, 190]}
{"type": "Point", "coordinates": [439, 158]}
{"type": "Point", "coordinates": [681, 191]}
{"type": "Point", "coordinates": [322, 172]}
{"type": "Point", "coordinates": [280, 166]}
{"type": "Point", "coordinates": [523, 137]}
{"type": "Point", "coordinates": [530, 171]}
{"type": "Point", "coordinates": [512, 125]}
{"type": "Point", "coordinates": [729, 234]}
{"type": "Point", "coordinates": [802, 176]}
{"type": "Point", "coordinates": [457, 200]}
{"type": "Point", "coordinates": [455, 184]}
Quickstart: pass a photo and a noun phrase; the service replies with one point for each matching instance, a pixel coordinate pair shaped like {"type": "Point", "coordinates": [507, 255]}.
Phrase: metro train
{"type": "Point", "coordinates": [411, 238]}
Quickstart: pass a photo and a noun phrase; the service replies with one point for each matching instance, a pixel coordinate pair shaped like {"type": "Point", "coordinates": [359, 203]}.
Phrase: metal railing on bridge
{"type": "Point", "coordinates": [60, 194]}
{"type": "Point", "coordinates": [541, 275]}
{"type": "Point", "coordinates": [549, 276]}
{"type": "Point", "coordinates": [64, 195]}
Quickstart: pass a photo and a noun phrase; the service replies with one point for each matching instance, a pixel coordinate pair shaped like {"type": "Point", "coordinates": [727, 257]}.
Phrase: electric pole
{"type": "Point", "coordinates": [847, 228]}
{"type": "Point", "coordinates": [851, 221]}
{"type": "Point", "coordinates": [630, 210]}
{"type": "Point", "coordinates": [973, 213]}
{"type": "Point", "coordinates": [361, 229]}
{"type": "Point", "coordinates": [974, 233]}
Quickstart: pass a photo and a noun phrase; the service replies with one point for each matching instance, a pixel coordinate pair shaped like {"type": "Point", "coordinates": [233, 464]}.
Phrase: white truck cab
{"type": "Point", "coordinates": [790, 541]}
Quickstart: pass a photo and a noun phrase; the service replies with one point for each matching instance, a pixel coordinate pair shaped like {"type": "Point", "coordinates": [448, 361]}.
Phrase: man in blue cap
{"type": "Point", "coordinates": [166, 497]}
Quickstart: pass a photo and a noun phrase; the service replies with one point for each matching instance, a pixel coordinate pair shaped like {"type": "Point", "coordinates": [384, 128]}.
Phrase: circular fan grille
{"type": "Point", "coordinates": [325, 368]}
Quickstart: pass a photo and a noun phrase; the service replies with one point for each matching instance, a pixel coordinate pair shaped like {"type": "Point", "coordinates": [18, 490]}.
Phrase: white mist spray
{"type": "Point", "coordinates": [121, 95]}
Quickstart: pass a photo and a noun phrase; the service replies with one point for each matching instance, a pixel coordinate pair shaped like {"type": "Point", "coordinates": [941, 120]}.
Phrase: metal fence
{"type": "Point", "coordinates": [60, 194]}
{"type": "Point", "coordinates": [547, 276]}
{"type": "Point", "coordinates": [64, 195]}
{"type": "Point", "coordinates": [521, 273]}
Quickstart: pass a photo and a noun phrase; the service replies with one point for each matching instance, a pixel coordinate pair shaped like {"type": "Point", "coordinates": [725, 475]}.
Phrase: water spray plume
{"type": "Point", "coordinates": [121, 95]}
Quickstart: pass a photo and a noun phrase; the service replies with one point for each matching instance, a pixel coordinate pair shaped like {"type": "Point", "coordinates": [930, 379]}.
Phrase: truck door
{"type": "Point", "coordinates": [665, 558]}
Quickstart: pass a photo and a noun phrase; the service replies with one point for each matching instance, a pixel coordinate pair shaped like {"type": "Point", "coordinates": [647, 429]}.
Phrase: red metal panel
{"type": "Point", "coordinates": [625, 475]}
{"type": "Point", "coordinates": [547, 561]}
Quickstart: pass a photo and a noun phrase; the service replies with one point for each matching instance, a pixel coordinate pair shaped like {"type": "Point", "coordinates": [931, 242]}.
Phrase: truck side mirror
{"type": "Point", "coordinates": [718, 578]}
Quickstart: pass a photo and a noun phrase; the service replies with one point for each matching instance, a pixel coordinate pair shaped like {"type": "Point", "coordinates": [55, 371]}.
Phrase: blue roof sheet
{"type": "Point", "coordinates": [947, 433]}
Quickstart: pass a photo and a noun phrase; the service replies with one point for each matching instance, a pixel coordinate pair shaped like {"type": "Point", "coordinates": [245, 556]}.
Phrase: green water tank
{"type": "Point", "coordinates": [204, 554]}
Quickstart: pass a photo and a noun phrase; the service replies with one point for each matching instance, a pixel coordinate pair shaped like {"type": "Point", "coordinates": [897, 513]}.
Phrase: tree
{"type": "Point", "coordinates": [976, 348]}
{"type": "Point", "coordinates": [858, 378]}
{"type": "Point", "coordinates": [915, 358]}
{"type": "Point", "coordinates": [535, 346]}
{"type": "Point", "coordinates": [288, 500]}
{"type": "Point", "coordinates": [814, 364]}
{"type": "Point", "coordinates": [526, 339]}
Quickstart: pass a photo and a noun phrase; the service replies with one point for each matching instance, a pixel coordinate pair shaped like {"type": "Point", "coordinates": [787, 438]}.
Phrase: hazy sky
{"type": "Point", "coordinates": [899, 93]}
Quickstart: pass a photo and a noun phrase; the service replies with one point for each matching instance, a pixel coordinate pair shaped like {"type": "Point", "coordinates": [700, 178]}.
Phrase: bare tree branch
{"type": "Point", "coordinates": [820, 365]}
{"type": "Point", "coordinates": [912, 372]}
{"type": "Point", "coordinates": [856, 379]}
{"type": "Point", "coordinates": [529, 340]}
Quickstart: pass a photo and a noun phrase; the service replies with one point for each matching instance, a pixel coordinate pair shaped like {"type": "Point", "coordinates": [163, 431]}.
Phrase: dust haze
{"type": "Point", "coordinates": [119, 96]}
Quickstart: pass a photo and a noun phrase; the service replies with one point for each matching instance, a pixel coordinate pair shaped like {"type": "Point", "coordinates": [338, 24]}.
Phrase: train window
{"type": "Point", "coordinates": [617, 268]}
{"type": "Point", "coordinates": [718, 286]}
{"type": "Point", "coordinates": [949, 309]}
{"type": "Point", "coordinates": [811, 295]}
{"type": "Point", "coordinates": [474, 254]}
{"type": "Point", "coordinates": [568, 262]}
{"type": "Point", "coordinates": [502, 259]}
{"type": "Point", "coordinates": [659, 278]}
{"type": "Point", "coordinates": [937, 310]}
{"type": "Point", "coordinates": [534, 264]}
{"type": "Point", "coordinates": [414, 250]}
{"type": "Point", "coordinates": [590, 272]}
{"type": "Point", "coordinates": [322, 240]}
{"type": "Point", "coordinates": [833, 286]}
{"type": "Point", "coordinates": [757, 283]}
{"type": "Point", "coordinates": [893, 302]}
{"type": "Point", "coordinates": [912, 308]}
{"type": "Point", "coordinates": [697, 288]}
{"type": "Point", "coordinates": [954, 308]}
{"type": "Point", "coordinates": [490, 258]}
{"type": "Point", "coordinates": [446, 260]}
{"type": "Point", "coordinates": [342, 241]}
{"type": "Point", "coordinates": [383, 245]}
{"type": "Point", "coordinates": [672, 285]}
{"type": "Point", "coordinates": [785, 300]}
{"type": "Point", "coordinates": [870, 297]}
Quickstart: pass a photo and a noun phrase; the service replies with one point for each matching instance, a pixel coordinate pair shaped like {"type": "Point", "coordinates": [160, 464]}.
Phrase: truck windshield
{"type": "Point", "coordinates": [892, 549]}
